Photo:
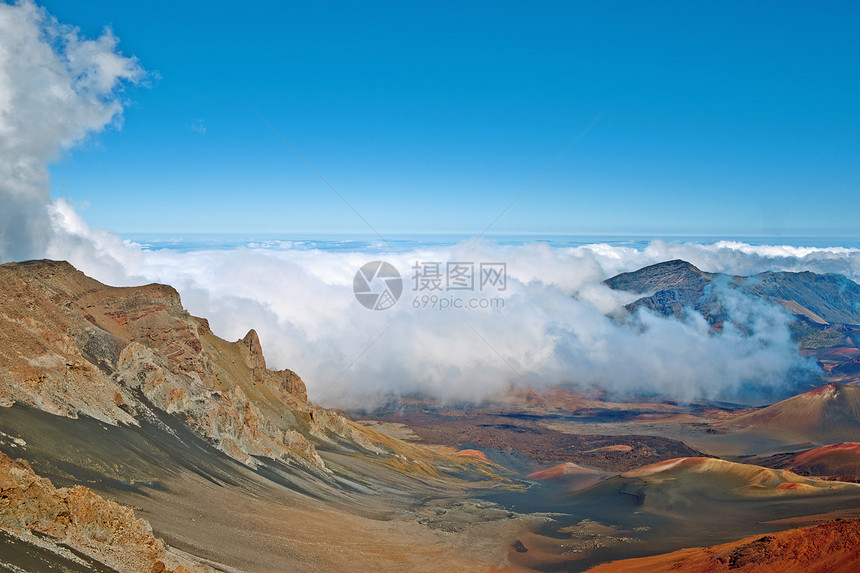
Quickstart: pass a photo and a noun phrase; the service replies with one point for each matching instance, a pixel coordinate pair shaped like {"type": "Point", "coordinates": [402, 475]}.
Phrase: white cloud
{"type": "Point", "coordinates": [553, 329]}
{"type": "Point", "coordinates": [56, 89]}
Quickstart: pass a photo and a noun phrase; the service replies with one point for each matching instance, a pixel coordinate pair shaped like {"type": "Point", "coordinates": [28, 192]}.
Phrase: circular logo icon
{"type": "Point", "coordinates": [377, 285]}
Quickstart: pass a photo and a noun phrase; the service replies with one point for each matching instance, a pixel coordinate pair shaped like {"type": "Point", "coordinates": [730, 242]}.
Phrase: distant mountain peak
{"type": "Point", "coordinates": [826, 306]}
{"type": "Point", "coordinates": [660, 276]}
{"type": "Point", "coordinates": [826, 390]}
{"type": "Point", "coordinates": [678, 263]}
{"type": "Point", "coordinates": [674, 265]}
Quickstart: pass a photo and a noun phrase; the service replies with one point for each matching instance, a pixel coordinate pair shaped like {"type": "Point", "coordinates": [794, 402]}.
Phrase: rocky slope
{"type": "Point", "coordinates": [828, 547]}
{"type": "Point", "coordinates": [122, 390]}
{"type": "Point", "coordinates": [72, 346]}
{"type": "Point", "coordinates": [36, 512]}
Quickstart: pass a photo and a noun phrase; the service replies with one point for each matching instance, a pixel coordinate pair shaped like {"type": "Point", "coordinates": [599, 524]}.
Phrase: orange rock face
{"type": "Point", "coordinates": [829, 547]}
{"type": "Point", "coordinates": [72, 346]}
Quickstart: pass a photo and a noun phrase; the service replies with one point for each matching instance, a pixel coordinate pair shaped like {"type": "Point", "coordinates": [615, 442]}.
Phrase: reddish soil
{"type": "Point", "coordinates": [817, 455]}
{"type": "Point", "coordinates": [830, 547]}
{"type": "Point", "coordinates": [561, 470]}
{"type": "Point", "coordinates": [474, 454]}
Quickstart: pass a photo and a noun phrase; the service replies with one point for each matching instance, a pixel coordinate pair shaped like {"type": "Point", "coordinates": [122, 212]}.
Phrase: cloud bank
{"type": "Point", "coordinates": [556, 326]}
{"type": "Point", "coordinates": [57, 89]}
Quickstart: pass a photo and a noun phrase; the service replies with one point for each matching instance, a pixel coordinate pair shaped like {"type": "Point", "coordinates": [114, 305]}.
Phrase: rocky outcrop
{"type": "Point", "coordinates": [72, 346]}
{"type": "Point", "coordinates": [252, 354]}
{"type": "Point", "coordinates": [78, 518]}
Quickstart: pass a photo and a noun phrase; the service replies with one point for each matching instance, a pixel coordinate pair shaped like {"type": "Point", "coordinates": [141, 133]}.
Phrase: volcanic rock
{"type": "Point", "coordinates": [72, 346]}
{"type": "Point", "coordinates": [78, 518]}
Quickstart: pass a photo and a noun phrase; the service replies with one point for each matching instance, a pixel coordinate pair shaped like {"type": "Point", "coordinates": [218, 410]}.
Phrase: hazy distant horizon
{"type": "Point", "coordinates": [398, 241]}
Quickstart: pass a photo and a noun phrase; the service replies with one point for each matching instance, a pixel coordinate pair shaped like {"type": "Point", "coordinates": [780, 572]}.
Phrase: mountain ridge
{"type": "Point", "coordinates": [71, 345]}
{"type": "Point", "coordinates": [825, 308]}
{"type": "Point", "coordinates": [677, 284]}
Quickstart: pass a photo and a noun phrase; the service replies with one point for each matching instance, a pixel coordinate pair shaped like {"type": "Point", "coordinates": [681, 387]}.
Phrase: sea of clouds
{"type": "Point", "coordinates": [559, 325]}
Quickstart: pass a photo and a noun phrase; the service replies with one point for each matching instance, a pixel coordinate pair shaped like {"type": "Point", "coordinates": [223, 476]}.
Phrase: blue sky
{"type": "Point", "coordinates": [718, 118]}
